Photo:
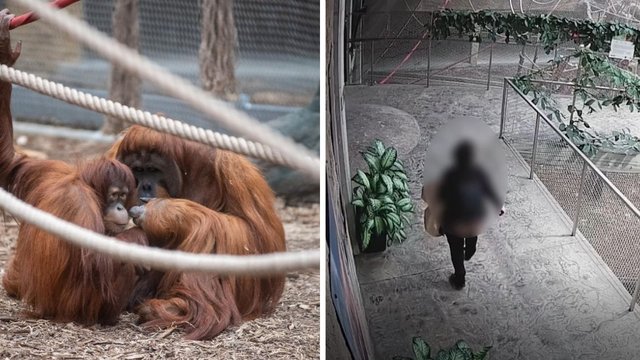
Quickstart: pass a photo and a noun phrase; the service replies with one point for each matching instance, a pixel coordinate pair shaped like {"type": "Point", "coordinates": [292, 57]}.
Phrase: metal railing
{"type": "Point", "coordinates": [602, 214]}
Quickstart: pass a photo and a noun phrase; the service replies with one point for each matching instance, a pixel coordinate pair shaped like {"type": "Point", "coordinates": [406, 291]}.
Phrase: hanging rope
{"type": "Point", "coordinates": [133, 115]}
{"type": "Point", "coordinates": [161, 259]}
{"type": "Point", "coordinates": [177, 87]}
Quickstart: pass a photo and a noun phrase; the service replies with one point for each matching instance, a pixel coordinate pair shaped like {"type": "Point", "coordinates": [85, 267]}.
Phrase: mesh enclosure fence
{"type": "Point", "coordinates": [277, 56]}
{"type": "Point", "coordinates": [393, 47]}
{"type": "Point", "coordinates": [602, 216]}
{"type": "Point", "coordinates": [393, 29]}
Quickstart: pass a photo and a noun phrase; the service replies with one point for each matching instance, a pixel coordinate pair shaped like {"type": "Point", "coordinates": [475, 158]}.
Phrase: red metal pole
{"type": "Point", "coordinates": [31, 17]}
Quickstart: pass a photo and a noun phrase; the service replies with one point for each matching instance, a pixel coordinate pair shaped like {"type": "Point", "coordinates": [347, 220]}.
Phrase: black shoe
{"type": "Point", "coordinates": [468, 253]}
{"type": "Point", "coordinates": [456, 281]}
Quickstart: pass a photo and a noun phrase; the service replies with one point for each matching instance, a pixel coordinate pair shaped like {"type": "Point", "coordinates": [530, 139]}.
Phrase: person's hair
{"type": "Point", "coordinates": [463, 153]}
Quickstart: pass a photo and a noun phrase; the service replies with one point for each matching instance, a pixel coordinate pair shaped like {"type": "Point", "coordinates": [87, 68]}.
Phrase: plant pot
{"type": "Point", "coordinates": [377, 243]}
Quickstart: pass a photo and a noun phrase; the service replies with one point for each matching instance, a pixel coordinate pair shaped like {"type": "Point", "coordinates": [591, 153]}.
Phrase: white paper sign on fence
{"type": "Point", "coordinates": [621, 49]}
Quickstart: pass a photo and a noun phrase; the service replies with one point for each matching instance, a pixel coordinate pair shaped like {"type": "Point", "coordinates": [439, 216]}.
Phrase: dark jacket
{"type": "Point", "coordinates": [463, 193]}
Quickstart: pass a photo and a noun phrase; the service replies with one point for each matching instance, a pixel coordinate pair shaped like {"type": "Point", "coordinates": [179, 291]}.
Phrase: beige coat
{"type": "Point", "coordinates": [433, 212]}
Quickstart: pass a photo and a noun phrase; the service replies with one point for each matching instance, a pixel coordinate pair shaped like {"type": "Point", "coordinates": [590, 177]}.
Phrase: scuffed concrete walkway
{"type": "Point", "coordinates": [533, 291]}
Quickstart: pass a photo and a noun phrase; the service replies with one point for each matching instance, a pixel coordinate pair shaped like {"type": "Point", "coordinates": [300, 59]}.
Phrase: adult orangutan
{"type": "Point", "coordinates": [226, 207]}
{"type": "Point", "coordinates": [57, 280]}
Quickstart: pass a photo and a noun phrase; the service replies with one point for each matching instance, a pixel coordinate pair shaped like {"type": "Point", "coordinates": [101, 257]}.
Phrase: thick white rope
{"type": "Point", "coordinates": [133, 115]}
{"type": "Point", "coordinates": [175, 86]}
{"type": "Point", "coordinates": [266, 264]}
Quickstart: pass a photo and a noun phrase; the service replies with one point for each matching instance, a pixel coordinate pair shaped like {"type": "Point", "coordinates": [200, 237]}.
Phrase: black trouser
{"type": "Point", "coordinates": [458, 246]}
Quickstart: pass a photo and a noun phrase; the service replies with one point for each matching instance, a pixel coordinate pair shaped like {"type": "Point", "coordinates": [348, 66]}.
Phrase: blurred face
{"type": "Point", "coordinates": [463, 154]}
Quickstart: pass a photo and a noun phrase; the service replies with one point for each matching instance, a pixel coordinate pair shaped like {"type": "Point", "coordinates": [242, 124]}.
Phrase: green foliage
{"type": "Point", "coordinates": [382, 195]}
{"type": "Point", "coordinates": [552, 30]}
{"type": "Point", "coordinates": [592, 66]}
{"type": "Point", "coordinates": [460, 351]}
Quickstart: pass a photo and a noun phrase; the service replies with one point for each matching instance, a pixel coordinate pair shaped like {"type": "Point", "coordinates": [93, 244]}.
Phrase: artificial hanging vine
{"type": "Point", "coordinates": [592, 66]}
{"type": "Point", "coordinates": [552, 30]}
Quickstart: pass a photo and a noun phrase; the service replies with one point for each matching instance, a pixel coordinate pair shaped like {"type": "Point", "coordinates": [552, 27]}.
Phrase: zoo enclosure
{"type": "Point", "coordinates": [396, 47]}
{"type": "Point", "coordinates": [594, 205]}
{"type": "Point", "coordinates": [400, 42]}
{"type": "Point", "coordinates": [277, 58]}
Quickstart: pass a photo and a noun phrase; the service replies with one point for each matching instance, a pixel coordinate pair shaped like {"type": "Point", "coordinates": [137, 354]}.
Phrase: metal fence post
{"type": "Point", "coordinates": [429, 61]}
{"type": "Point", "coordinates": [521, 61]}
{"type": "Point", "coordinates": [636, 292]}
{"type": "Point", "coordinates": [429, 51]}
{"type": "Point", "coordinates": [535, 146]}
{"type": "Point", "coordinates": [575, 88]}
{"type": "Point", "coordinates": [361, 48]}
{"type": "Point", "coordinates": [361, 53]}
{"type": "Point", "coordinates": [490, 61]}
{"type": "Point", "coordinates": [580, 195]}
{"type": "Point", "coordinates": [573, 104]}
{"type": "Point", "coordinates": [535, 54]}
{"type": "Point", "coordinates": [371, 66]}
{"type": "Point", "coordinates": [503, 114]}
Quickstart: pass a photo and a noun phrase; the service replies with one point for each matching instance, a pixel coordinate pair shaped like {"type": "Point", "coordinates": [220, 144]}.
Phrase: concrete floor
{"type": "Point", "coordinates": [533, 291]}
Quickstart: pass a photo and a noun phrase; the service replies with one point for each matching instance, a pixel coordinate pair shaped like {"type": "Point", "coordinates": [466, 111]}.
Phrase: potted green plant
{"type": "Point", "coordinates": [381, 199]}
{"type": "Point", "coordinates": [460, 351]}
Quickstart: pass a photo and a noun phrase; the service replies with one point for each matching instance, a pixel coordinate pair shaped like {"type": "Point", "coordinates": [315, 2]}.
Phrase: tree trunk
{"type": "Point", "coordinates": [217, 48]}
{"type": "Point", "coordinates": [125, 87]}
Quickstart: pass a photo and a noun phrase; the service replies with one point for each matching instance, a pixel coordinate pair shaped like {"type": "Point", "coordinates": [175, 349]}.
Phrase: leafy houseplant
{"type": "Point", "coordinates": [381, 199]}
{"type": "Point", "coordinates": [460, 351]}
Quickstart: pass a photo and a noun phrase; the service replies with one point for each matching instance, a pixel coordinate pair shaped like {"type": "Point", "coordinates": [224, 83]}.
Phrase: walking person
{"type": "Point", "coordinates": [463, 195]}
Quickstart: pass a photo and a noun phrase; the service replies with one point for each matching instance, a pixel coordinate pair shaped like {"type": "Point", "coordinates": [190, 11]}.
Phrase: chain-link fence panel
{"type": "Point", "coordinates": [518, 127]}
{"type": "Point", "coordinates": [611, 228]}
{"type": "Point", "coordinates": [277, 66]}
